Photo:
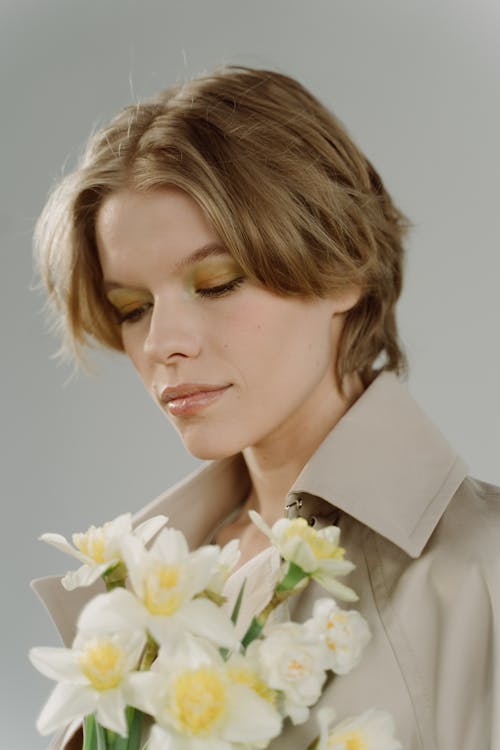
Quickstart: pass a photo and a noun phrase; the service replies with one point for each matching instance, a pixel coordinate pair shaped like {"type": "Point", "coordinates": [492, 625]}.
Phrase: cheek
{"type": "Point", "coordinates": [134, 350]}
{"type": "Point", "coordinates": [275, 339]}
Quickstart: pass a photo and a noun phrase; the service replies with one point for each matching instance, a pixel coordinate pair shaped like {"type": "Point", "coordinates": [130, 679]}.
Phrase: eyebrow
{"type": "Point", "coordinates": [206, 251]}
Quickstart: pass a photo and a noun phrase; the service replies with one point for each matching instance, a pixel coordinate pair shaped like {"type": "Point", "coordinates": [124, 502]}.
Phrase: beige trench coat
{"type": "Point", "coordinates": [425, 539]}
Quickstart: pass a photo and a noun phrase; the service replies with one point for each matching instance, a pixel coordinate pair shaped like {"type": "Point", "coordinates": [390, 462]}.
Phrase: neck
{"type": "Point", "coordinates": [275, 464]}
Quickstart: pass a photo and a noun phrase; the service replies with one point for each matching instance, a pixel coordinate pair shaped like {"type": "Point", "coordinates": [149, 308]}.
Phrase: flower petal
{"type": "Point", "coordinates": [257, 519]}
{"type": "Point", "coordinates": [170, 546]}
{"type": "Point", "coordinates": [375, 728]}
{"type": "Point", "coordinates": [167, 630]}
{"type": "Point", "coordinates": [120, 525]}
{"type": "Point", "coordinates": [251, 719]}
{"type": "Point", "coordinates": [202, 565]}
{"type": "Point", "coordinates": [57, 664]}
{"type": "Point", "coordinates": [148, 529]}
{"type": "Point", "coordinates": [161, 739]}
{"type": "Point", "coordinates": [134, 556]}
{"type": "Point", "coordinates": [60, 543]}
{"type": "Point", "coordinates": [65, 703]}
{"type": "Point", "coordinates": [325, 717]}
{"type": "Point", "coordinates": [203, 617]}
{"type": "Point", "coordinates": [337, 589]}
{"type": "Point", "coordinates": [110, 711]}
{"type": "Point", "coordinates": [142, 690]}
{"type": "Point", "coordinates": [85, 576]}
{"type": "Point", "coordinates": [299, 552]}
{"type": "Point", "coordinates": [115, 610]}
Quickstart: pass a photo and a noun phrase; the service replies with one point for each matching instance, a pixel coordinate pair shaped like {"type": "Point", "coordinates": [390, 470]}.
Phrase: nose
{"type": "Point", "coordinates": [174, 331]}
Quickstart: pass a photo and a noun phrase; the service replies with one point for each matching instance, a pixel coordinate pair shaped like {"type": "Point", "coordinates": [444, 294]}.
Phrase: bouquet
{"type": "Point", "coordinates": [156, 663]}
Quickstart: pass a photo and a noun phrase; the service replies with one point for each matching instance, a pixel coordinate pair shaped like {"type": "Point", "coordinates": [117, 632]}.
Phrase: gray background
{"type": "Point", "coordinates": [417, 84]}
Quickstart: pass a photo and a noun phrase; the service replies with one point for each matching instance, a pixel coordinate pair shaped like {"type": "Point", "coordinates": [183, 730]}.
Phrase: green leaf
{"type": "Point", "coordinates": [134, 725]}
{"type": "Point", "coordinates": [237, 605]}
{"type": "Point", "coordinates": [135, 728]}
{"type": "Point", "coordinates": [253, 632]}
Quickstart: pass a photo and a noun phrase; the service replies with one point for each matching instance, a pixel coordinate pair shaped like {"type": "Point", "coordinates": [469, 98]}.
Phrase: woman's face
{"type": "Point", "coordinates": [190, 318]}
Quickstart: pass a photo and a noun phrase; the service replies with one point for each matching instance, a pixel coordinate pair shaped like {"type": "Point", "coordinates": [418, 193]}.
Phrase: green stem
{"type": "Point", "coordinates": [115, 577]}
{"type": "Point", "coordinates": [135, 729]}
{"type": "Point", "coordinates": [89, 733]}
{"type": "Point", "coordinates": [101, 737]}
{"type": "Point", "coordinates": [293, 576]}
{"type": "Point", "coordinates": [294, 581]}
{"type": "Point", "coordinates": [149, 654]}
{"type": "Point", "coordinates": [134, 726]}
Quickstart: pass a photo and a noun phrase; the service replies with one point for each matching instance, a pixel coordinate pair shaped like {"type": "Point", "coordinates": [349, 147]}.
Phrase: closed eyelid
{"type": "Point", "coordinates": [120, 297]}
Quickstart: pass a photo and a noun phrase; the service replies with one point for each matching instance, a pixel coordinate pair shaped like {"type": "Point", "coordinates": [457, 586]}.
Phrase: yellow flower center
{"type": "Point", "coordinates": [297, 669]}
{"type": "Point", "coordinates": [348, 741]}
{"type": "Point", "coordinates": [161, 592]}
{"type": "Point", "coordinates": [321, 548]}
{"type": "Point", "coordinates": [245, 676]}
{"type": "Point", "coordinates": [92, 543]}
{"type": "Point", "coordinates": [103, 663]}
{"type": "Point", "coordinates": [338, 619]}
{"type": "Point", "coordinates": [199, 700]}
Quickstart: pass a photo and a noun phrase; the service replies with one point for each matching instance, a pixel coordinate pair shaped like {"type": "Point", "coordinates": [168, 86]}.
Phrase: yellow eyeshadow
{"type": "Point", "coordinates": [215, 272]}
{"type": "Point", "coordinates": [127, 299]}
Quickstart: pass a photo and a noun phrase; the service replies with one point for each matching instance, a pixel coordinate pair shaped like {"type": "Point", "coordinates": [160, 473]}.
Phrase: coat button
{"type": "Point", "coordinates": [293, 506]}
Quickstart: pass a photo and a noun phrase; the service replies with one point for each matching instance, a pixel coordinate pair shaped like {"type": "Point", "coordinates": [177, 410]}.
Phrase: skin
{"type": "Point", "coordinates": [277, 353]}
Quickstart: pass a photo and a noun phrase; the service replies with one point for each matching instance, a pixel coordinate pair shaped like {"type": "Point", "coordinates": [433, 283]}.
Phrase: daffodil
{"type": "Point", "coordinates": [316, 553]}
{"type": "Point", "coordinates": [92, 677]}
{"type": "Point", "coordinates": [344, 634]}
{"type": "Point", "coordinates": [371, 730]}
{"type": "Point", "coordinates": [99, 548]}
{"type": "Point", "coordinates": [166, 581]}
{"type": "Point", "coordinates": [290, 661]}
{"type": "Point", "coordinates": [227, 559]}
{"type": "Point", "coordinates": [197, 703]}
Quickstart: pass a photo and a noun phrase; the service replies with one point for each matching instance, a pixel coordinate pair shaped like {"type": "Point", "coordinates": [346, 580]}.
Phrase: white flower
{"type": "Point", "coordinates": [99, 548]}
{"type": "Point", "coordinates": [316, 552]}
{"type": "Point", "coordinates": [344, 633]}
{"type": "Point", "coordinates": [371, 730]}
{"type": "Point", "coordinates": [197, 705]}
{"type": "Point", "coordinates": [92, 677]}
{"type": "Point", "coordinates": [228, 557]}
{"type": "Point", "coordinates": [165, 581]}
{"type": "Point", "coordinates": [290, 660]}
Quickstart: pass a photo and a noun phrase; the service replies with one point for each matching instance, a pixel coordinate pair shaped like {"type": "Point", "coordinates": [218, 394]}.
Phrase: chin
{"type": "Point", "coordinates": [210, 449]}
{"type": "Point", "coordinates": [208, 454]}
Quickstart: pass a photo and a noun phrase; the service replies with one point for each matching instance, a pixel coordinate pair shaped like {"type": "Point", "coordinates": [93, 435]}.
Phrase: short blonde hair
{"type": "Point", "coordinates": [292, 198]}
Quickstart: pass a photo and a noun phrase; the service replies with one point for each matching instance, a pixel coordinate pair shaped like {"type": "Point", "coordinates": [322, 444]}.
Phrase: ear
{"type": "Point", "coordinates": [346, 299]}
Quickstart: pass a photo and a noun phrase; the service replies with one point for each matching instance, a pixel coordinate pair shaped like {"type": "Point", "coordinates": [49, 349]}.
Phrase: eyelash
{"type": "Point", "coordinates": [222, 289]}
{"type": "Point", "coordinates": [210, 292]}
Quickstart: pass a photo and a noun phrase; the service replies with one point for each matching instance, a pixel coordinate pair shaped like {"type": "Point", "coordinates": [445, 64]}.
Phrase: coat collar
{"type": "Point", "coordinates": [384, 463]}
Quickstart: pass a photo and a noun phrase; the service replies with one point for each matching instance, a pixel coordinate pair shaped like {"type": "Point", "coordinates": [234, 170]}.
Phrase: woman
{"type": "Point", "coordinates": [231, 239]}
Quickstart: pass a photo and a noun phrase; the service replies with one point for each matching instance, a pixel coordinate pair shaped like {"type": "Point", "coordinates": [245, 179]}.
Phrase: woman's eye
{"type": "Point", "coordinates": [131, 316]}
{"type": "Point", "coordinates": [219, 291]}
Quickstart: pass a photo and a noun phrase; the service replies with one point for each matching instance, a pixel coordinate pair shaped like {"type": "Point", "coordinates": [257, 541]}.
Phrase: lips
{"type": "Point", "coordinates": [170, 393]}
{"type": "Point", "coordinates": [188, 400]}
